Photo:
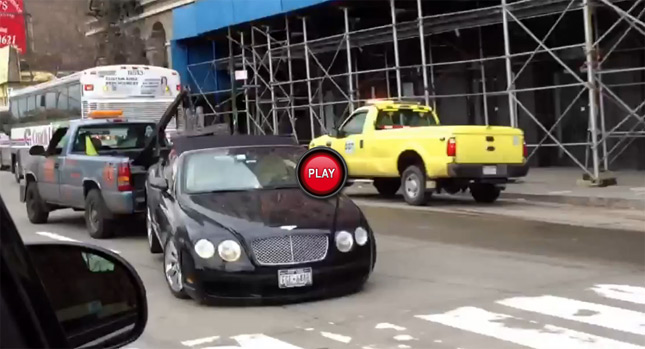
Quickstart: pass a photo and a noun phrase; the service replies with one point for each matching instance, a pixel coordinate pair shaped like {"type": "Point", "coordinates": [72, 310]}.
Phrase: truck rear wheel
{"type": "Point", "coordinates": [485, 192]}
{"type": "Point", "coordinates": [387, 186]}
{"type": "Point", "coordinates": [413, 182]}
{"type": "Point", "coordinates": [96, 213]}
{"type": "Point", "coordinates": [36, 208]}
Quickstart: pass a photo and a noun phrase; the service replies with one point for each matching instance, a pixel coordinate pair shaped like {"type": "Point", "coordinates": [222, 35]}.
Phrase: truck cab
{"type": "Point", "coordinates": [91, 166]}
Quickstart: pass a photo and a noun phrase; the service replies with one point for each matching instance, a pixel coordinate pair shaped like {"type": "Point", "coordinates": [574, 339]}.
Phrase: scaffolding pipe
{"type": "Point", "coordinates": [348, 49]}
{"type": "Point", "coordinates": [426, 93]}
{"type": "Point", "coordinates": [387, 77]}
{"type": "Point", "coordinates": [232, 74]}
{"type": "Point", "coordinates": [274, 116]}
{"type": "Point", "coordinates": [255, 83]}
{"type": "Point", "coordinates": [434, 90]}
{"type": "Point", "coordinates": [396, 49]}
{"type": "Point", "coordinates": [509, 68]}
{"type": "Point", "coordinates": [308, 70]}
{"type": "Point", "coordinates": [292, 103]}
{"type": "Point", "coordinates": [246, 90]}
{"type": "Point", "coordinates": [601, 101]}
{"type": "Point", "coordinates": [483, 76]}
{"type": "Point", "coordinates": [593, 107]}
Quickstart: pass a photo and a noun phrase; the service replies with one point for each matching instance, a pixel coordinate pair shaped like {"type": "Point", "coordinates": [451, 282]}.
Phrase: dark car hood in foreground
{"type": "Point", "coordinates": [271, 212]}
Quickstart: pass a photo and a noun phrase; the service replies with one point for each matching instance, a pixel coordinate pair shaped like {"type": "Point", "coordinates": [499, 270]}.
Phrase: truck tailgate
{"type": "Point", "coordinates": [489, 145]}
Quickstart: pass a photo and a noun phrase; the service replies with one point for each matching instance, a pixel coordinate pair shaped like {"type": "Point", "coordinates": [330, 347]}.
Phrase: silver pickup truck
{"type": "Point", "coordinates": [90, 165]}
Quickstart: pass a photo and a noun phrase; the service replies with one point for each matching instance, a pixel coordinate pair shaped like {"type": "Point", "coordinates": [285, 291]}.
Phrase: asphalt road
{"type": "Point", "coordinates": [478, 278]}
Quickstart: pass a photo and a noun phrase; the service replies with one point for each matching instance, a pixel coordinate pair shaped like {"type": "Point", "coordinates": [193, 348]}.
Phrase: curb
{"type": "Point", "coordinates": [585, 201]}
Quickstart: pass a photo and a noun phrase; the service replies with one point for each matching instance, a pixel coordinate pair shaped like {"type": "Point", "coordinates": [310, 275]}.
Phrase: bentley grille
{"type": "Point", "coordinates": [292, 249]}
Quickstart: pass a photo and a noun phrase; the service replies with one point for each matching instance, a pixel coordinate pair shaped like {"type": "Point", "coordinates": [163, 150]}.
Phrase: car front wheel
{"type": "Point", "coordinates": [172, 269]}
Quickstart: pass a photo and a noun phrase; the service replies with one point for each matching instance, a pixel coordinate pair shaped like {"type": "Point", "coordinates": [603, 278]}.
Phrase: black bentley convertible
{"type": "Point", "coordinates": [232, 223]}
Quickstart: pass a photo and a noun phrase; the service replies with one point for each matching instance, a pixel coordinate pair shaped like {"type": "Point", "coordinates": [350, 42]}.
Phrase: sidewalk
{"type": "Point", "coordinates": [560, 185]}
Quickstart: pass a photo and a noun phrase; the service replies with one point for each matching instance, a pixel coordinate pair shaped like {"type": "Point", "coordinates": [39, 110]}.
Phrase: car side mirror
{"type": "Point", "coordinates": [37, 150]}
{"type": "Point", "coordinates": [158, 183]}
{"type": "Point", "coordinates": [97, 295]}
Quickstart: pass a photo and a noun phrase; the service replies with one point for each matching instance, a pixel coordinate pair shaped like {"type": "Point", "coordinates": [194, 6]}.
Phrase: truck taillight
{"type": "Point", "coordinates": [124, 177]}
{"type": "Point", "coordinates": [451, 149]}
{"type": "Point", "coordinates": [525, 150]}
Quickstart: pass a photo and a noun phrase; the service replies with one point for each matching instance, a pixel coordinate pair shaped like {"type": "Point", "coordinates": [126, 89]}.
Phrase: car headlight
{"type": "Point", "coordinates": [205, 249]}
{"type": "Point", "coordinates": [344, 241]}
{"type": "Point", "coordinates": [360, 234]}
{"type": "Point", "coordinates": [229, 250]}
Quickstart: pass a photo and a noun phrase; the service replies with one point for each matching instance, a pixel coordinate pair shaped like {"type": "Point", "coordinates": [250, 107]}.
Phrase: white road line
{"type": "Point", "coordinates": [403, 337]}
{"type": "Point", "coordinates": [625, 293]}
{"type": "Point", "coordinates": [260, 341]}
{"type": "Point", "coordinates": [198, 341]}
{"type": "Point", "coordinates": [56, 236]}
{"type": "Point", "coordinates": [385, 325]}
{"type": "Point", "coordinates": [64, 238]}
{"type": "Point", "coordinates": [588, 313]}
{"type": "Point", "coordinates": [560, 192]}
{"type": "Point", "coordinates": [519, 331]}
{"type": "Point", "coordinates": [336, 337]}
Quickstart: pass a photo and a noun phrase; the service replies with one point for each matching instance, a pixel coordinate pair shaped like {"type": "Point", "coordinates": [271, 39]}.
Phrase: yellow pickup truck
{"type": "Point", "coordinates": [402, 145]}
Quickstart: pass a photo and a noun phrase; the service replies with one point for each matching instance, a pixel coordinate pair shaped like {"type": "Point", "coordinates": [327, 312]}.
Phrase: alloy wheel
{"type": "Point", "coordinates": [172, 267]}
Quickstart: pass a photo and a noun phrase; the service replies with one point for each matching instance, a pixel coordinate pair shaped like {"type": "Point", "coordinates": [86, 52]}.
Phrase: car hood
{"type": "Point", "coordinates": [258, 213]}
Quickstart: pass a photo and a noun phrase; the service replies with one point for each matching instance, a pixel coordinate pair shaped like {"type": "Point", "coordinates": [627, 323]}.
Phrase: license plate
{"type": "Point", "coordinates": [289, 278]}
{"type": "Point", "coordinates": [490, 170]}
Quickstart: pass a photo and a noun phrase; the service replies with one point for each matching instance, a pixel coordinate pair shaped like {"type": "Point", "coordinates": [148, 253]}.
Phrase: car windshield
{"type": "Point", "coordinates": [117, 136]}
{"type": "Point", "coordinates": [404, 118]}
{"type": "Point", "coordinates": [239, 169]}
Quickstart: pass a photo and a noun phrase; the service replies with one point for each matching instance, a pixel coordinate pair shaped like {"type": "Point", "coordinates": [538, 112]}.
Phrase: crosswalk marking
{"type": "Point", "coordinates": [624, 293]}
{"type": "Point", "coordinates": [260, 341]}
{"type": "Point", "coordinates": [585, 312]}
{"type": "Point", "coordinates": [522, 332]}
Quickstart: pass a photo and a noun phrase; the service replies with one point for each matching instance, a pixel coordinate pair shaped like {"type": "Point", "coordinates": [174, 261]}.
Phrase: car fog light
{"type": "Point", "coordinates": [344, 241]}
{"type": "Point", "coordinates": [360, 235]}
{"type": "Point", "coordinates": [229, 250]}
{"type": "Point", "coordinates": [205, 249]}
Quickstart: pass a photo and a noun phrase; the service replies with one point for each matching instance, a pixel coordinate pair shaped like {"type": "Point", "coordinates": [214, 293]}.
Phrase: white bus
{"type": "Point", "coordinates": [139, 91]}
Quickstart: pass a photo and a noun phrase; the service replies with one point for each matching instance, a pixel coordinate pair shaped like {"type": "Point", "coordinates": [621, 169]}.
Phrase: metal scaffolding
{"type": "Point", "coordinates": [297, 84]}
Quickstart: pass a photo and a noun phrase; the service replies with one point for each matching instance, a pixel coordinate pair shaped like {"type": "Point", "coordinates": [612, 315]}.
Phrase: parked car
{"type": "Point", "coordinates": [232, 223]}
{"type": "Point", "coordinates": [402, 145]}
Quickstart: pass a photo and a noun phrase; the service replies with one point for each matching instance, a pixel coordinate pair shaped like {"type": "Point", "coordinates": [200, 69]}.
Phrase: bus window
{"type": "Point", "coordinates": [50, 100]}
{"type": "Point", "coordinates": [75, 98]}
{"type": "Point", "coordinates": [62, 98]}
{"type": "Point", "coordinates": [31, 104]}
{"type": "Point", "coordinates": [22, 104]}
{"type": "Point", "coordinates": [13, 106]}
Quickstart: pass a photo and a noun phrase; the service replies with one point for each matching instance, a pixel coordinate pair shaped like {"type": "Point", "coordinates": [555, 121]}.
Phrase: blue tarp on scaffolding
{"type": "Point", "coordinates": [190, 22]}
{"type": "Point", "coordinates": [205, 16]}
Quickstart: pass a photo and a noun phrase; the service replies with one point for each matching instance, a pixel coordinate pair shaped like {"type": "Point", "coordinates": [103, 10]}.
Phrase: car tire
{"type": "Point", "coordinates": [96, 213]}
{"type": "Point", "coordinates": [485, 192]}
{"type": "Point", "coordinates": [153, 241]}
{"type": "Point", "coordinates": [387, 186]}
{"type": "Point", "coordinates": [413, 183]}
{"type": "Point", "coordinates": [36, 208]}
{"type": "Point", "coordinates": [172, 269]}
{"type": "Point", "coordinates": [17, 171]}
